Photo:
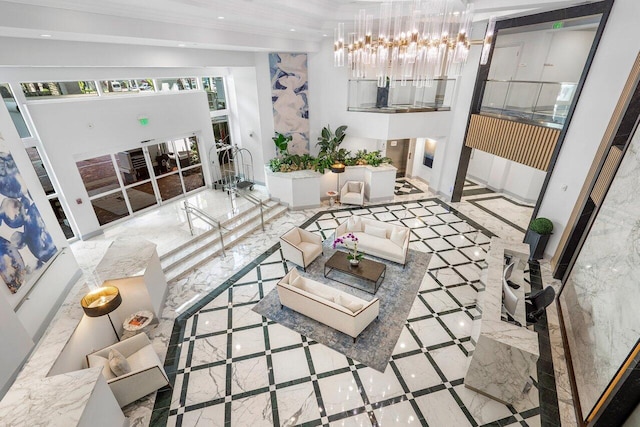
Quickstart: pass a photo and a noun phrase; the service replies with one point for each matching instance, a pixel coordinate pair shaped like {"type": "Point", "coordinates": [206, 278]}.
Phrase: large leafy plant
{"type": "Point", "coordinates": [282, 142]}
{"type": "Point", "coordinates": [329, 143]}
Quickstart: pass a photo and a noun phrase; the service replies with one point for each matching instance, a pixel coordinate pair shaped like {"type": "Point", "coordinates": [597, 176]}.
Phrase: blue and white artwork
{"type": "Point", "coordinates": [25, 244]}
{"type": "Point", "coordinates": [289, 91]}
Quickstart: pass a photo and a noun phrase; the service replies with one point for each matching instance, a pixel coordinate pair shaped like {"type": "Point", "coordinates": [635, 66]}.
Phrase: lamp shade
{"type": "Point", "coordinates": [101, 301]}
{"type": "Point", "coordinates": [337, 167]}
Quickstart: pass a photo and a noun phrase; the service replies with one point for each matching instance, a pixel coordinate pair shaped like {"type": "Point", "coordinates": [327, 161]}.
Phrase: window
{"type": "Point", "coordinates": [214, 86]}
{"type": "Point", "coordinates": [47, 186]}
{"type": "Point", "coordinates": [127, 86]}
{"type": "Point", "coordinates": [177, 84]}
{"type": "Point", "coordinates": [14, 110]}
{"type": "Point", "coordinates": [47, 89]}
{"type": "Point", "coordinates": [98, 174]}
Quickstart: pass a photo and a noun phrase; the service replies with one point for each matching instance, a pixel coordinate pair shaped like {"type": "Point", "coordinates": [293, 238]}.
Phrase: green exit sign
{"type": "Point", "coordinates": [557, 25]}
{"type": "Point", "coordinates": [143, 121]}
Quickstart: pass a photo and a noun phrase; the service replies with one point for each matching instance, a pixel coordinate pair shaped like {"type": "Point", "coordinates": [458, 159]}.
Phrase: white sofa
{"type": "Point", "coordinates": [352, 193]}
{"type": "Point", "coordinates": [333, 307]}
{"type": "Point", "coordinates": [147, 374]}
{"type": "Point", "coordinates": [377, 238]}
{"type": "Point", "coordinates": [300, 246]}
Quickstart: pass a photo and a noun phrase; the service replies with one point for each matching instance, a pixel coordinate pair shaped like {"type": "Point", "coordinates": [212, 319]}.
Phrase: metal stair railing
{"type": "Point", "coordinates": [253, 200]}
{"type": "Point", "coordinates": [192, 210]}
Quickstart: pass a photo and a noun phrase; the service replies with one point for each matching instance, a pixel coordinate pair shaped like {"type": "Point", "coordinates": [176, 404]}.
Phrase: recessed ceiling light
{"type": "Point", "coordinates": [293, 29]}
{"type": "Point", "coordinates": [45, 35]}
{"type": "Point", "coordinates": [220, 17]}
{"type": "Point", "coordinates": [324, 35]}
{"type": "Point", "coordinates": [181, 45]}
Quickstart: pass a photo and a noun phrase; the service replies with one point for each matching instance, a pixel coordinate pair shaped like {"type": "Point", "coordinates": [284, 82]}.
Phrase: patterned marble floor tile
{"type": "Point", "coordinates": [406, 342]}
{"type": "Point", "coordinates": [340, 393]}
{"type": "Point", "coordinates": [289, 365]}
{"type": "Point", "coordinates": [380, 386]}
{"type": "Point", "coordinates": [206, 384]}
{"type": "Point", "coordinates": [208, 416]}
{"type": "Point", "coordinates": [281, 336]}
{"type": "Point", "coordinates": [483, 409]}
{"type": "Point", "coordinates": [248, 341]}
{"type": "Point", "coordinates": [249, 375]}
{"type": "Point", "coordinates": [451, 361]}
{"type": "Point", "coordinates": [326, 360]}
{"type": "Point", "coordinates": [398, 414]}
{"type": "Point", "coordinates": [417, 372]}
{"type": "Point", "coordinates": [430, 332]}
{"type": "Point", "coordinates": [297, 404]}
{"type": "Point", "coordinates": [252, 411]}
{"type": "Point", "coordinates": [448, 413]}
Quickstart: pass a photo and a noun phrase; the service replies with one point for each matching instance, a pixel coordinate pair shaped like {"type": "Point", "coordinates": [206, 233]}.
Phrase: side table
{"type": "Point", "coordinates": [136, 323]}
{"type": "Point", "coordinates": [332, 195]}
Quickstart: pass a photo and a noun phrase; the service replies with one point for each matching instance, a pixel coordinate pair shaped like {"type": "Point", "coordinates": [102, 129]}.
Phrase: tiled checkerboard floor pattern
{"type": "Point", "coordinates": [403, 187]}
{"type": "Point", "coordinates": [233, 367]}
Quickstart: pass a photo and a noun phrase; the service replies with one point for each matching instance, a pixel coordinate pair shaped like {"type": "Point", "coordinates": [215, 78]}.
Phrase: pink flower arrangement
{"type": "Point", "coordinates": [345, 240]}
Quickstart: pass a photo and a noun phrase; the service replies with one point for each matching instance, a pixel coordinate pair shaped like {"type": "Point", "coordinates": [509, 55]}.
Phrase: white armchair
{"type": "Point", "coordinates": [352, 193]}
{"type": "Point", "coordinates": [301, 246]}
{"type": "Point", "coordinates": [147, 374]}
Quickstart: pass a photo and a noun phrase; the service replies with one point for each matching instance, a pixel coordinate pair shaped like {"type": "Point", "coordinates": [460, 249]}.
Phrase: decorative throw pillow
{"type": "Point", "coordinates": [318, 290]}
{"type": "Point", "coordinates": [293, 275]}
{"type": "Point", "coordinates": [375, 231]}
{"type": "Point", "coordinates": [398, 235]}
{"type": "Point", "coordinates": [118, 363]}
{"type": "Point", "coordinates": [298, 282]}
{"type": "Point", "coordinates": [349, 304]}
{"type": "Point", "coordinates": [354, 187]}
{"type": "Point", "coordinates": [354, 223]}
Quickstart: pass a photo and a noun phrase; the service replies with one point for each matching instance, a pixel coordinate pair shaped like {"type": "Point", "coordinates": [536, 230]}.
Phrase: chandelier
{"type": "Point", "coordinates": [429, 40]}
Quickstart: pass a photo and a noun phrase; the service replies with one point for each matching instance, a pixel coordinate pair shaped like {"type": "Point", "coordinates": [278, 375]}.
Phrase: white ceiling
{"type": "Point", "coordinates": [247, 24]}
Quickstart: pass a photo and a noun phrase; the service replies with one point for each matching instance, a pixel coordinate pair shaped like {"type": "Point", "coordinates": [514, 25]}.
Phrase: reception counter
{"type": "Point", "coordinates": [54, 388]}
{"type": "Point", "coordinates": [505, 355]}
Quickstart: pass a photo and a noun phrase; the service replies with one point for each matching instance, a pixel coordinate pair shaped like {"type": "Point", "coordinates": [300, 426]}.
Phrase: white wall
{"type": "Point", "coordinates": [21, 327]}
{"type": "Point", "coordinates": [518, 180]}
{"type": "Point", "coordinates": [614, 58]}
{"type": "Point", "coordinates": [246, 116]}
{"type": "Point", "coordinates": [76, 129]}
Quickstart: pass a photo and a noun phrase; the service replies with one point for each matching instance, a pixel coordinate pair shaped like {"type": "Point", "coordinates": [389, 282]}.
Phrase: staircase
{"type": "Point", "coordinates": [185, 258]}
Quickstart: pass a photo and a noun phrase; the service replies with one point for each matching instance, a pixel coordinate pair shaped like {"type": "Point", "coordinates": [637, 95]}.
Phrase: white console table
{"type": "Point", "coordinates": [505, 355]}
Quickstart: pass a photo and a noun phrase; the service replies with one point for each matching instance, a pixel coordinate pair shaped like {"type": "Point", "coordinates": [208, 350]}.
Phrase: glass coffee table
{"type": "Point", "coordinates": [367, 271]}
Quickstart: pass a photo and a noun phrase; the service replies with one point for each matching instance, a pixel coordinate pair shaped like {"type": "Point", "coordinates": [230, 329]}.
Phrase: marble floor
{"type": "Point", "coordinates": [230, 366]}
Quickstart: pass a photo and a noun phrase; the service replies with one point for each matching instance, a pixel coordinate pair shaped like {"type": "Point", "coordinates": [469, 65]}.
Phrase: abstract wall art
{"type": "Point", "coordinates": [289, 91]}
{"type": "Point", "coordinates": [25, 244]}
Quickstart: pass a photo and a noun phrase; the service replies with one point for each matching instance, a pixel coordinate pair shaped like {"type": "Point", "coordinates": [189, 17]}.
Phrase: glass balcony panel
{"type": "Point", "coordinates": [366, 95]}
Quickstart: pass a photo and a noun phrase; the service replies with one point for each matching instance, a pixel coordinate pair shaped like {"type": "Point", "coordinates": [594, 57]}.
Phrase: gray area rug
{"type": "Point", "coordinates": [375, 344]}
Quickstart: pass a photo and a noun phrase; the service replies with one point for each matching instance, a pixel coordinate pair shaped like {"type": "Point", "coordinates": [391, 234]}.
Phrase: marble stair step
{"type": "Point", "coordinates": [203, 253]}
{"type": "Point", "coordinates": [211, 237]}
{"type": "Point", "coordinates": [244, 211]}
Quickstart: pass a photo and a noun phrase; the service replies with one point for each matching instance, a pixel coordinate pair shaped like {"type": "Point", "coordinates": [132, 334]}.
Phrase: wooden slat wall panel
{"type": "Point", "coordinates": [614, 123]}
{"type": "Point", "coordinates": [523, 143]}
{"type": "Point", "coordinates": [606, 175]}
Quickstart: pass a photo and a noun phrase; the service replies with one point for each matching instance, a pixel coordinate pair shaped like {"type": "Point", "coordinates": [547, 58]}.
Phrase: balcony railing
{"type": "Point", "coordinates": [396, 97]}
{"type": "Point", "coordinates": [539, 103]}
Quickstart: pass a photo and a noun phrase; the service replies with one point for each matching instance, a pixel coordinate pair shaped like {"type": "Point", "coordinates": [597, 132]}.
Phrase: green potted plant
{"type": "Point", "coordinates": [281, 141]}
{"type": "Point", "coordinates": [537, 236]}
{"type": "Point", "coordinates": [329, 144]}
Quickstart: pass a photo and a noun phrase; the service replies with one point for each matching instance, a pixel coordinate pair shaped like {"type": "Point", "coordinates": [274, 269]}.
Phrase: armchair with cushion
{"type": "Point", "coordinates": [146, 372]}
{"type": "Point", "coordinates": [301, 246]}
{"type": "Point", "coordinates": [352, 193]}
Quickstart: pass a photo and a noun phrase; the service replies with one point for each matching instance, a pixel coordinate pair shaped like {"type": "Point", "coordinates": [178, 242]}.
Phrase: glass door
{"type": "Point", "coordinates": [126, 182]}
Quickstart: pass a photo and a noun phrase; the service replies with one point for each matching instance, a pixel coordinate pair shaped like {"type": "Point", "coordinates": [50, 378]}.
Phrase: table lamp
{"type": "Point", "coordinates": [102, 301]}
